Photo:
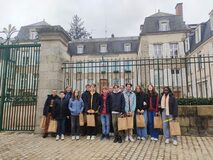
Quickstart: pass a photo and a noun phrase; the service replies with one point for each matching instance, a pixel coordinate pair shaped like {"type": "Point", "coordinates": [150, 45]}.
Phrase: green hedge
{"type": "Point", "coordinates": [195, 101]}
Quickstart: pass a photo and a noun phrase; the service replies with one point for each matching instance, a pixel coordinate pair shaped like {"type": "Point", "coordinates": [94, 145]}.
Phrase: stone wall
{"type": "Point", "coordinates": [196, 120]}
{"type": "Point", "coordinates": [54, 41]}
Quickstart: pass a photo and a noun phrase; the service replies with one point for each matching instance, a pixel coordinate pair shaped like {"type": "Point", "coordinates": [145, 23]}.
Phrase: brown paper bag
{"type": "Point", "coordinates": [91, 120]}
{"type": "Point", "coordinates": [158, 122]}
{"type": "Point", "coordinates": [81, 119]}
{"type": "Point", "coordinates": [52, 126]}
{"type": "Point", "coordinates": [122, 123]}
{"type": "Point", "coordinates": [140, 122]}
{"type": "Point", "coordinates": [130, 122]}
{"type": "Point", "coordinates": [43, 122]}
{"type": "Point", "coordinates": [175, 128]}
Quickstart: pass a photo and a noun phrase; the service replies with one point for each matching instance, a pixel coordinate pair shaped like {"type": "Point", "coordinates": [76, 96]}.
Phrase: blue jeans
{"type": "Point", "coordinates": [105, 123]}
{"type": "Point", "coordinates": [153, 131]}
{"type": "Point", "coordinates": [142, 132]}
{"type": "Point", "coordinates": [60, 126]}
{"type": "Point", "coordinates": [166, 129]}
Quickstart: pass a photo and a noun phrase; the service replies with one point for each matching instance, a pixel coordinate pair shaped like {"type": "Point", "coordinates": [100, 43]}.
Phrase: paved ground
{"type": "Point", "coordinates": [30, 146]}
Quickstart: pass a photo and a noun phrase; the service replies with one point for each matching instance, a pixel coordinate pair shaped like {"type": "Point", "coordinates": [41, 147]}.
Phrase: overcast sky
{"type": "Point", "coordinates": [121, 17]}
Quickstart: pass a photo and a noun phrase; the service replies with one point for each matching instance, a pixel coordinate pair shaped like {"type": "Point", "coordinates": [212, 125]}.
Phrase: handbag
{"type": "Point", "coordinates": [90, 120]}
{"type": "Point", "coordinates": [140, 122]}
{"type": "Point", "coordinates": [43, 122]}
{"type": "Point", "coordinates": [158, 122]}
{"type": "Point", "coordinates": [175, 128]}
{"type": "Point", "coordinates": [122, 123]}
{"type": "Point", "coordinates": [52, 126]}
{"type": "Point", "coordinates": [81, 119]}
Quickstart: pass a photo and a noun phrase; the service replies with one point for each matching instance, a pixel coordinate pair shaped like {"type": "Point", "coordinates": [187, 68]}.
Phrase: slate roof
{"type": "Point", "coordinates": [151, 23]}
{"type": "Point", "coordinates": [206, 33]}
{"type": "Point", "coordinates": [24, 32]}
{"type": "Point", "coordinates": [114, 45]}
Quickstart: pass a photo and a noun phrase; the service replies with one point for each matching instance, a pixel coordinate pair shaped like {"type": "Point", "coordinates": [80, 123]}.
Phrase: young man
{"type": "Point", "coordinates": [68, 95]}
{"type": "Point", "coordinates": [84, 98]}
{"type": "Point", "coordinates": [60, 113]}
{"type": "Point", "coordinates": [48, 110]}
{"type": "Point", "coordinates": [92, 103]}
{"type": "Point", "coordinates": [117, 104]}
{"type": "Point", "coordinates": [130, 105]}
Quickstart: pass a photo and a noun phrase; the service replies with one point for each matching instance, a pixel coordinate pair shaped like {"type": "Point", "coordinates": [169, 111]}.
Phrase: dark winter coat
{"type": "Point", "coordinates": [141, 97]}
{"type": "Point", "coordinates": [60, 110]}
{"type": "Point", "coordinates": [117, 102]}
{"type": "Point", "coordinates": [47, 108]}
{"type": "Point", "coordinates": [96, 101]}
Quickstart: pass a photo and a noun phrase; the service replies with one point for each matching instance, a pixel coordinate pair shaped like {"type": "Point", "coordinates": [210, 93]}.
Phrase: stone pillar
{"type": "Point", "coordinates": [54, 42]}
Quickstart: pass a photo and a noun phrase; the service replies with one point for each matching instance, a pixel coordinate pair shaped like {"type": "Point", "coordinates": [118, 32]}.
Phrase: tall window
{"type": "Point", "coordinates": [103, 48]}
{"type": "Point", "coordinates": [127, 65]}
{"type": "Point", "coordinates": [80, 49]}
{"type": "Point", "coordinates": [187, 44]}
{"type": "Point", "coordinates": [78, 67]}
{"type": "Point", "coordinates": [158, 76]}
{"type": "Point", "coordinates": [25, 60]}
{"type": "Point", "coordinates": [33, 35]}
{"type": "Point", "coordinates": [127, 47]}
{"type": "Point", "coordinates": [157, 50]}
{"type": "Point", "coordinates": [164, 25]}
{"type": "Point", "coordinates": [173, 50]}
{"type": "Point", "coordinates": [198, 34]}
{"type": "Point", "coordinates": [200, 62]}
{"type": "Point", "coordinates": [103, 66]}
{"type": "Point", "coordinates": [115, 66]}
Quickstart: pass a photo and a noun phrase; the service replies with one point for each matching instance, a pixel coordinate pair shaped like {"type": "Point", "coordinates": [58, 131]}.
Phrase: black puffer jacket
{"type": "Point", "coordinates": [96, 101]}
{"type": "Point", "coordinates": [117, 102]}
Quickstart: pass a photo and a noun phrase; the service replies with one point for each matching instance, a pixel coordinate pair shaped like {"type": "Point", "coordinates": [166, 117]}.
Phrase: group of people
{"type": "Point", "coordinates": [110, 104]}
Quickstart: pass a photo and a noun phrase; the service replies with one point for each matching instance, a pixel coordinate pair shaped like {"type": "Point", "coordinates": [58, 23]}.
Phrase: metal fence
{"type": "Point", "coordinates": [188, 77]}
{"type": "Point", "coordinates": [19, 65]}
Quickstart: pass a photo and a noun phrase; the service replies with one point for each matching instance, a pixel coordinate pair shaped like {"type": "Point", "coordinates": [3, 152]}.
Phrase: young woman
{"type": "Point", "coordinates": [92, 103]}
{"type": "Point", "coordinates": [104, 110]}
{"type": "Point", "coordinates": [76, 106]}
{"type": "Point", "coordinates": [60, 114]}
{"type": "Point", "coordinates": [169, 109]}
{"type": "Point", "coordinates": [130, 105]}
{"type": "Point", "coordinates": [153, 100]}
{"type": "Point", "coordinates": [141, 109]}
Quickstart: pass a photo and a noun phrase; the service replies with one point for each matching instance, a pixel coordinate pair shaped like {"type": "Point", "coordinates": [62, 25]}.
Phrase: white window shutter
{"type": "Point", "coordinates": [181, 49]}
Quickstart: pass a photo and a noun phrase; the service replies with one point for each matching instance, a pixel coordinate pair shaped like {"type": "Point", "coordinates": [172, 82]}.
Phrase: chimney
{"type": "Point", "coordinates": [211, 19]}
{"type": "Point", "coordinates": [179, 9]}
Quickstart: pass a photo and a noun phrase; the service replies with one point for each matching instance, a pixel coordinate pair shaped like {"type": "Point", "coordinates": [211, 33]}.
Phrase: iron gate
{"type": "Point", "coordinates": [19, 66]}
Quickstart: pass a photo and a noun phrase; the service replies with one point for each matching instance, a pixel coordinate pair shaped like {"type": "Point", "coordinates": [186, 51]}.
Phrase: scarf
{"type": "Point", "coordinates": [165, 103]}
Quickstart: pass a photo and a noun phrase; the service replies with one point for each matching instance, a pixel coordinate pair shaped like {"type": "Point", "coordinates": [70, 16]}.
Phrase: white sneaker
{"type": "Point", "coordinates": [73, 137]}
{"type": "Point", "coordinates": [62, 137]}
{"type": "Point", "coordinates": [155, 139]}
{"type": "Point", "coordinates": [152, 138]}
{"type": "Point", "coordinates": [138, 138]}
{"type": "Point", "coordinates": [127, 139]}
{"type": "Point", "coordinates": [93, 137]}
{"type": "Point", "coordinates": [143, 138]}
{"type": "Point", "coordinates": [167, 141]}
{"type": "Point", "coordinates": [77, 137]}
{"type": "Point", "coordinates": [175, 142]}
{"type": "Point", "coordinates": [88, 137]}
{"type": "Point", "coordinates": [131, 139]}
{"type": "Point", "coordinates": [57, 138]}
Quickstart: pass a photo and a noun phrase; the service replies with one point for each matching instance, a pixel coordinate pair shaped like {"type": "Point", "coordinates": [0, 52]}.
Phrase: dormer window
{"type": "Point", "coordinates": [80, 49]}
{"type": "Point", "coordinates": [127, 47]}
{"type": "Point", "coordinates": [198, 34]}
{"type": "Point", "coordinates": [33, 34]}
{"type": "Point", "coordinates": [187, 44]}
{"type": "Point", "coordinates": [164, 25]}
{"type": "Point", "coordinates": [103, 48]}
